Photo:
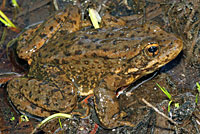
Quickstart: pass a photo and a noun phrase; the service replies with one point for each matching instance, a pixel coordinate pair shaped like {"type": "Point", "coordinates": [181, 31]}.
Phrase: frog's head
{"type": "Point", "coordinates": [160, 52]}
{"type": "Point", "coordinates": [157, 49]}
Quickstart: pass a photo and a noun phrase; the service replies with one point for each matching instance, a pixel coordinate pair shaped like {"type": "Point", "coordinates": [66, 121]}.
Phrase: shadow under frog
{"type": "Point", "coordinates": [96, 61]}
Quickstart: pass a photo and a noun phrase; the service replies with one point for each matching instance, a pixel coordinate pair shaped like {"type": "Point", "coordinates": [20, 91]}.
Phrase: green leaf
{"type": "Point", "coordinates": [14, 3]}
{"type": "Point", "coordinates": [62, 115]}
{"type": "Point", "coordinates": [4, 19]}
{"type": "Point", "coordinates": [169, 104]}
{"type": "Point", "coordinates": [24, 118]}
{"type": "Point", "coordinates": [165, 91]}
{"type": "Point", "coordinates": [198, 86]}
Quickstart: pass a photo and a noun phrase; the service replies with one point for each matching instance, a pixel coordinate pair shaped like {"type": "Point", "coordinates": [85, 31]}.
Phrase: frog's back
{"type": "Point", "coordinates": [106, 42]}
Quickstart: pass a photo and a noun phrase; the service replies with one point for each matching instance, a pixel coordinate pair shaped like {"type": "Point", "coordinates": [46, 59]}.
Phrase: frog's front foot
{"type": "Point", "coordinates": [107, 105]}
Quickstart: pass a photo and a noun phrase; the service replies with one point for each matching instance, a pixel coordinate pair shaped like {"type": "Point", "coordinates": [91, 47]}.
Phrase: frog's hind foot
{"type": "Point", "coordinates": [41, 98]}
{"type": "Point", "coordinates": [21, 102]}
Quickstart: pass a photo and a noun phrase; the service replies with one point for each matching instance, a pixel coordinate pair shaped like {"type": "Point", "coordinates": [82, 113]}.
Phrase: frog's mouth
{"type": "Point", "coordinates": [128, 89]}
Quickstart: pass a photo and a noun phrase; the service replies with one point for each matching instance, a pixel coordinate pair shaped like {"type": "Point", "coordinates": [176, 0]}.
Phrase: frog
{"type": "Point", "coordinates": [87, 61]}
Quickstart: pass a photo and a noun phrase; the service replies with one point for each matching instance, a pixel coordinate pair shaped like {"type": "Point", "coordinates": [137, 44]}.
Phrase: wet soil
{"type": "Point", "coordinates": [179, 77]}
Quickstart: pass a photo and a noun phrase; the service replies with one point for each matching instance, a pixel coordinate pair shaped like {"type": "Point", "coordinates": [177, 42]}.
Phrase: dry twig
{"type": "Point", "coordinates": [154, 108]}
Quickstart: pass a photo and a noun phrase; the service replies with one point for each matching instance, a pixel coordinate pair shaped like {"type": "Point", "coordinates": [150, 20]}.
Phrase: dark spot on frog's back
{"type": "Point", "coordinates": [171, 43]}
{"type": "Point", "coordinates": [110, 19]}
{"type": "Point", "coordinates": [121, 34]}
{"type": "Point", "coordinates": [88, 46]}
{"type": "Point", "coordinates": [85, 37]}
{"type": "Point", "coordinates": [105, 49]}
{"type": "Point", "coordinates": [138, 31]}
{"type": "Point", "coordinates": [44, 50]}
{"type": "Point", "coordinates": [56, 61]}
{"type": "Point", "coordinates": [30, 94]}
{"type": "Point", "coordinates": [47, 100]}
{"type": "Point", "coordinates": [80, 43]}
{"type": "Point", "coordinates": [94, 55]}
{"type": "Point", "coordinates": [84, 69]}
{"type": "Point", "coordinates": [65, 62]}
{"type": "Point", "coordinates": [114, 28]}
{"type": "Point", "coordinates": [98, 46]}
{"type": "Point", "coordinates": [133, 35]}
{"type": "Point", "coordinates": [67, 53]}
{"type": "Point", "coordinates": [57, 19]}
{"type": "Point", "coordinates": [51, 28]}
{"type": "Point", "coordinates": [95, 40]}
{"type": "Point", "coordinates": [109, 35]}
{"type": "Point", "coordinates": [105, 57]}
{"type": "Point", "coordinates": [33, 106]}
{"type": "Point", "coordinates": [78, 52]}
{"type": "Point", "coordinates": [38, 91]}
{"type": "Point", "coordinates": [73, 38]}
{"type": "Point", "coordinates": [126, 47]}
{"type": "Point", "coordinates": [54, 90]}
{"type": "Point", "coordinates": [36, 99]}
{"type": "Point", "coordinates": [52, 50]}
{"type": "Point", "coordinates": [149, 29]}
{"type": "Point", "coordinates": [73, 21]}
{"type": "Point", "coordinates": [68, 45]}
{"type": "Point", "coordinates": [43, 35]}
{"type": "Point", "coordinates": [93, 33]}
{"type": "Point", "coordinates": [55, 52]}
{"type": "Point", "coordinates": [86, 62]}
{"type": "Point", "coordinates": [77, 61]}
{"type": "Point", "coordinates": [62, 109]}
{"type": "Point", "coordinates": [115, 42]}
{"type": "Point", "coordinates": [72, 105]}
{"type": "Point", "coordinates": [39, 54]}
{"type": "Point", "coordinates": [61, 45]}
{"type": "Point", "coordinates": [63, 32]}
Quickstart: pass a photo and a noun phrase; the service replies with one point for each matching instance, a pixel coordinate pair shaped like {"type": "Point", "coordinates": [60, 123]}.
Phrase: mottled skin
{"type": "Point", "coordinates": [90, 62]}
{"type": "Point", "coordinates": [68, 20]}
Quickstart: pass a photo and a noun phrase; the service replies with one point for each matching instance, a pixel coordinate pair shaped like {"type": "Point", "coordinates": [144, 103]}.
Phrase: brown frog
{"type": "Point", "coordinates": [87, 62]}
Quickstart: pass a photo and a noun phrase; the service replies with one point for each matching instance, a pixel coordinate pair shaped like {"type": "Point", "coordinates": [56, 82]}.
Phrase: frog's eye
{"type": "Point", "coordinates": [152, 49]}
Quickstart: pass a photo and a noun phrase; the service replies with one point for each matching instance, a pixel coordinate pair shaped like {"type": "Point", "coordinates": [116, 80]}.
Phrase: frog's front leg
{"type": "Point", "coordinates": [42, 97]}
{"type": "Point", "coordinates": [33, 39]}
{"type": "Point", "coordinates": [106, 103]}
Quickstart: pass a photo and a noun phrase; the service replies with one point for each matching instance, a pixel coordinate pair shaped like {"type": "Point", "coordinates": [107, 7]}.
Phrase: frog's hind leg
{"type": "Point", "coordinates": [41, 98]}
{"type": "Point", "coordinates": [106, 103]}
{"type": "Point", "coordinates": [21, 103]}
